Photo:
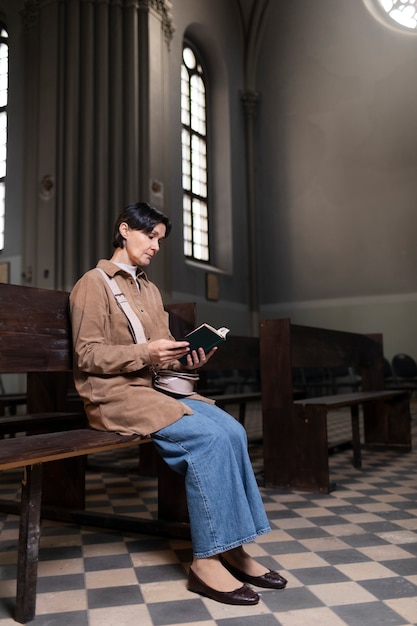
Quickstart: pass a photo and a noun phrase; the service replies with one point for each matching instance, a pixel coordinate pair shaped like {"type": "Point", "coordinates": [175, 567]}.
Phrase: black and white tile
{"type": "Point", "coordinates": [350, 556]}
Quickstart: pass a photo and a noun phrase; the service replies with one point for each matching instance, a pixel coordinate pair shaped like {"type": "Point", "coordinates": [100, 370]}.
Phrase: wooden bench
{"type": "Point", "coordinates": [295, 431]}
{"type": "Point", "coordinates": [35, 340]}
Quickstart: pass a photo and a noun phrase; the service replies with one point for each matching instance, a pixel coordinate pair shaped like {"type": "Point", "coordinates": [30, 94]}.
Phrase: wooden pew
{"type": "Point", "coordinates": [35, 339]}
{"type": "Point", "coordinates": [295, 431]}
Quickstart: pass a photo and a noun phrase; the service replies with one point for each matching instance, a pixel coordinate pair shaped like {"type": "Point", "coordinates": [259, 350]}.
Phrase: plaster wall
{"type": "Point", "coordinates": [337, 156]}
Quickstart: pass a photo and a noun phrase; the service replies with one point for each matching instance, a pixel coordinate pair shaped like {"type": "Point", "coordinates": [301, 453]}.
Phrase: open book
{"type": "Point", "coordinates": [204, 336]}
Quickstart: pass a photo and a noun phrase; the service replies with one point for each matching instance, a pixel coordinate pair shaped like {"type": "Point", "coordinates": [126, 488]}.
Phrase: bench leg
{"type": "Point", "coordinates": [356, 436]}
{"type": "Point", "coordinates": [388, 424]}
{"type": "Point", "coordinates": [172, 502]}
{"type": "Point", "coordinates": [309, 448]}
{"type": "Point", "coordinates": [29, 537]}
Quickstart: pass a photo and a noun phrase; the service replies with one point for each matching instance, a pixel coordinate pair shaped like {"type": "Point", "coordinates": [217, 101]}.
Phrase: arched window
{"type": "Point", "coordinates": [194, 157]}
{"type": "Point", "coordinates": [4, 75]}
{"type": "Point", "coordinates": [403, 12]}
{"type": "Point", "coordinates": [399, 14]}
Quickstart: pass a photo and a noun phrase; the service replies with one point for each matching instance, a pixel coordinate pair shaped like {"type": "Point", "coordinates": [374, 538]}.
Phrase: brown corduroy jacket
{"type": "Point", "coordinates": [111, 373]}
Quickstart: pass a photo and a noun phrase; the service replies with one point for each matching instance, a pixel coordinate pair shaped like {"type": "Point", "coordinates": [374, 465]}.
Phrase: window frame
{"type": "Point", "coordinates": [187, 129]}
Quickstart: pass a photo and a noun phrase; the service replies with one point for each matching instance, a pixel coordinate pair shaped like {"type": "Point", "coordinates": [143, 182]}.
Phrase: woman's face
{"type": "Point", "coordinates": [141, 247]}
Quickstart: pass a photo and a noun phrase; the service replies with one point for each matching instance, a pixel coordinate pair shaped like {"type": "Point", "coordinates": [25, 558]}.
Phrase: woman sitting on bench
{"type": "Point", "coordinates": [114, 376]}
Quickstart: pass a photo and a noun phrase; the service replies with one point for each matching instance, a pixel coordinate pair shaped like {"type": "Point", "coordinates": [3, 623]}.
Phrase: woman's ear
{"type": "Point", "coordinates": [124, 230]}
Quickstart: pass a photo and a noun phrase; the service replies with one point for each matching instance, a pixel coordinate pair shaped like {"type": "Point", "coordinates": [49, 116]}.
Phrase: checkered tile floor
{"type": "Point", "coordinates": [350, 556]}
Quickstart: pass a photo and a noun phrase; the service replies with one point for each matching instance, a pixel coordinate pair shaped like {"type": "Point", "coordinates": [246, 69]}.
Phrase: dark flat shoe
{"type": "Point", "coordinates": [243, 595]}
{"type": "Point", "coordinates": [270, 580]}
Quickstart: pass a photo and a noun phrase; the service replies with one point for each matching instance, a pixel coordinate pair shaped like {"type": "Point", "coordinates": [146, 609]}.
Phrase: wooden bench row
{"type": "Point", "coordinates": [35, 339]}
{"type": "Point", "coordinates": [295, 432]}
{"type": "Point", "coordinates": [294, 424]}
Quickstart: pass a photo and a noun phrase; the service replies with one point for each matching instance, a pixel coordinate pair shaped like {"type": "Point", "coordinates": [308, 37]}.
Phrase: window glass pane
{"type": "Point", "coordinates": [3, 74]}
{"type": "Point", "coordinates": [185, 97]}
{"type": "Point", "coordinates": [2, 194]}
{"type": "Point", "coordinates": [3, 143]}
{"type": "Point", "coordinates": [189, 58]}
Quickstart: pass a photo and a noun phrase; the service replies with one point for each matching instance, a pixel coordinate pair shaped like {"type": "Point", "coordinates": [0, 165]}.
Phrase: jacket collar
{"type": "Point", "coordinates": [112, 269]}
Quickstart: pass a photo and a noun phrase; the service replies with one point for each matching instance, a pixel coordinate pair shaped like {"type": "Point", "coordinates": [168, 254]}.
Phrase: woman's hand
{"type": "Point", "coordinates": [166, 350]}
{"type": "Point", "coordinates": [198, 358]}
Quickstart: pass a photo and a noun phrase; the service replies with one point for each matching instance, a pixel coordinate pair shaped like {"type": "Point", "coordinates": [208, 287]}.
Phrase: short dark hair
{"type": "Point", "coordinates": [139, 216]}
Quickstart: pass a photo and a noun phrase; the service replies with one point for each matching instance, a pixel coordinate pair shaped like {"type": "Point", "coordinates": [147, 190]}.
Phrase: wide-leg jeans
{"type": "Point", "coordinates": [210, 449]}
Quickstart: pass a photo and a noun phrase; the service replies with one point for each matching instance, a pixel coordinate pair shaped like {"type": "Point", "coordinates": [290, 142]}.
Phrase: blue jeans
{"type": "Point", "coordinates": [210, 449]}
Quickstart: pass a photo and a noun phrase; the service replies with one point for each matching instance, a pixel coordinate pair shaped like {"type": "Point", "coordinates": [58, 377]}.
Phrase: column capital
{"type": "Point", "coordinates": [30, 13]}
{"type": "Point", "coordinates": [163, 8]}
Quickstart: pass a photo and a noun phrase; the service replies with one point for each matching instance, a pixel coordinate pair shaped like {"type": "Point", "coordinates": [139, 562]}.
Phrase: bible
{"type": "Point", "coordinates": [204, 336]}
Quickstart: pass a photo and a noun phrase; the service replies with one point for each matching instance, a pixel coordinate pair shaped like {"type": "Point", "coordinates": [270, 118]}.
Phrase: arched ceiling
{"type": "Point", "coordinates": [252, 14]}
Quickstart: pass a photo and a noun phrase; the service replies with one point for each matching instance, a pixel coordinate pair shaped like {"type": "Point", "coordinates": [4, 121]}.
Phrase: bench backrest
{"type": "Point", "coordinates": [285, 346]}
{"type": "Point", "coordinates": [35, 332]}
{"type": "Point", "coordinates": [237, 355]}
{"type": "Point", "coordinates": [35, 339]}
{"type": "Point", "coordinates": [236, 352]}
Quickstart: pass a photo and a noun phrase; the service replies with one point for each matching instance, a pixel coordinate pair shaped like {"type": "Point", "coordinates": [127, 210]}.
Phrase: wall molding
{"type": "Point", "coordinates": [341, 302]}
